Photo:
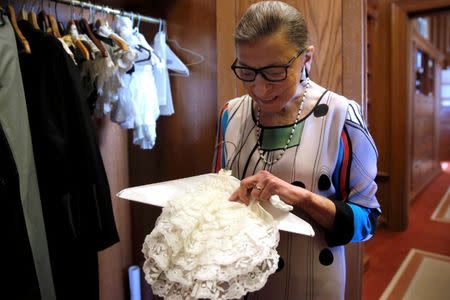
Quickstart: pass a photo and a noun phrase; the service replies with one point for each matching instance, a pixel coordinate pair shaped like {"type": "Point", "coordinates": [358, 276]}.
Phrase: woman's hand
{"type": "Point", "coordinates": [263, 185]}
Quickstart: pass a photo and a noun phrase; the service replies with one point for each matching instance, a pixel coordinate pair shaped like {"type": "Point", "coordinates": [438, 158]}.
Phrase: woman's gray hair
{"type": "Point", "coordinates": [269, 17]}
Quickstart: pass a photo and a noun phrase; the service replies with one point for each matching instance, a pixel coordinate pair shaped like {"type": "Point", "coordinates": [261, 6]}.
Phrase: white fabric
{"type": "Point", "coordinates": [205, 246]}
{"type": "Point", "coordinates": [141, 98]}
{"type": "Point", "coordinates": [162, 75]}
{"type": "Point", "coordinates": [108, 83]}
{"type": "Point", "coordinates": [104, 74]}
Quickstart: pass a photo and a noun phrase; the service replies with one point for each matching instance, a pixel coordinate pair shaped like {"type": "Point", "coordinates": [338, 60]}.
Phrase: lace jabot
{"type": "Point", "coordinates": [204, 246]}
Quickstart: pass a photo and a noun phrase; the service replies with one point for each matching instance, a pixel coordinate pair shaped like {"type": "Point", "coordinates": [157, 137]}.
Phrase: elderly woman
{"type": "Point", "coordinates": [293, 138]}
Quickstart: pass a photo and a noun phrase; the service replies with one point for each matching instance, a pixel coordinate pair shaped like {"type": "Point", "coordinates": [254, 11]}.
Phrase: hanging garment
{"type": "Point", "coordinates": [26, 253]}
{"type": "Point", "coordinates": [204, 246]}
{"type": "Point", "coordinates": [162, 75]}
{"type": "Point", "coordinates": [74, 189]}
{"type": "Point", "coordinates": [141, 85]}
{"type": "Point", "coordinates": [115, 97]}
{"type": "Point", "coordinates": [19, 262]}
{"type": "Point", "coordinates": [102, 75]}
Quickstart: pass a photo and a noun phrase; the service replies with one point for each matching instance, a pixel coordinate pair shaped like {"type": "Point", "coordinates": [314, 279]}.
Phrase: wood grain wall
{"type": "Point", "coordinates": [378, 94]}
{"type": "Point", "coordinates": [440, 34]}
{"type": "Point", "coordinates": [444, 124]}
{"type": "Point", "coordinates": [425, 103]}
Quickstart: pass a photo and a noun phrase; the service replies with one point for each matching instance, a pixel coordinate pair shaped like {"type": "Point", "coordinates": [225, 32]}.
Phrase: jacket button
{"type": "Point", "coordinates": [326, 257]}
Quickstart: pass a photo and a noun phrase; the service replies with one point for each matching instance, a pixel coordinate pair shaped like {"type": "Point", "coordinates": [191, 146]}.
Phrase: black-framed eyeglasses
{"type": "Point", "coordinates": [270, 73]}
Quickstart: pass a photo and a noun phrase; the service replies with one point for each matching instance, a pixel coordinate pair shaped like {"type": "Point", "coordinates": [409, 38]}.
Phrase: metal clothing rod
{"type": "Point", "coordinates": [111, 11]}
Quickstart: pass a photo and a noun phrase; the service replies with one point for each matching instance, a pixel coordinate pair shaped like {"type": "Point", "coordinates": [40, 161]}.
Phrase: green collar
{"type": "Point", "coordinates": [274, 138]}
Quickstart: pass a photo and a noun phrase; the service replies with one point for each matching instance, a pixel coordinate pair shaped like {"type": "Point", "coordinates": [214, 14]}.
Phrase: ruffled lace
{"type": "Point", "coordinates": [204, 246]}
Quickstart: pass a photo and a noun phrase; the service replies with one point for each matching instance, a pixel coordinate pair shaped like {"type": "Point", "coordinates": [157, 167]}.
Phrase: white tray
{"type": "Point", "coordinates": [158, 194]}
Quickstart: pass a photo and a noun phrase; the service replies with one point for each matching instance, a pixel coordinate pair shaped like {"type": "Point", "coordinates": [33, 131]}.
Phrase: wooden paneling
{"type": "Point", "coordinates": [440, 34]}
{"type": "Point", "coordinates": [115, 260]}
{"type": "Point", "coordinates": [388, 108]}
{"type": "Point", "coordinates": [424, 108]}
{"type": "Point", "coordinates": [226, 81]}
{"type": "Point", "coordinates": [417, 6]}
{"type": "Point", "coordinates": [444, 119]}
{"type": "Point", "coordinates": [444, 131]}
{"type": "Point", "coordinates": [325, 23]}
{"type": "Point", "coordinates": [354, 55]}
{"type": "Point", "coordinates": [379, 84]}
{"type": "Point", "coordinates": [400, 119]}
{"type": "Point", "coordinates": [354, 86]}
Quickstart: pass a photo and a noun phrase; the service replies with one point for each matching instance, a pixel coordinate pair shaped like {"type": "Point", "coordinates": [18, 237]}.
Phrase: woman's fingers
{"type": "Point", "coordinates": [242, 194]}
{"type": "Point", "coordinates": [256, 186]}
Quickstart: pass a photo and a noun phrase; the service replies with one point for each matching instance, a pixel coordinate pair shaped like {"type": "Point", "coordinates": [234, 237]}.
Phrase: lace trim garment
{"type": "Point", "coordinates": [204, 246]}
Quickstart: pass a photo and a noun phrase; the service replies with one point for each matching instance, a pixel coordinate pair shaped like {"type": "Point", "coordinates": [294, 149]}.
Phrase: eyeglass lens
{"type": "Point", "coordinates": [270, 73]}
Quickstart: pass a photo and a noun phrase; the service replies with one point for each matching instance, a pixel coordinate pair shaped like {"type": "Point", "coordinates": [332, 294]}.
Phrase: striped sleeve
{"type": "Point", "coordinates": [357, 208]}
{"type": "Point", "coordinates": [219, 153]}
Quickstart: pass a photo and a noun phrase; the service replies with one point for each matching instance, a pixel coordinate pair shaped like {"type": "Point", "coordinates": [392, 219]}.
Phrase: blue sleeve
{"type": "Point", "coordinates": [364, 222]}
{"type": "Point", "coordinates": [352, 223]}
{"type": "Point", "coordinates": [357, 209]}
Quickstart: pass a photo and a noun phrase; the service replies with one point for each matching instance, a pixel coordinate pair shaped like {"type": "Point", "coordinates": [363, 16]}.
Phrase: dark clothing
{"type": "Point", "coordinates": [74, 189]}
{"type": "Point", "coordinates": [16, 251]}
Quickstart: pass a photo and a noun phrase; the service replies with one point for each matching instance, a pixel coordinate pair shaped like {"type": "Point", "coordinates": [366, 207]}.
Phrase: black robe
{"type": "Point", "coordinates": [20, 280]}
{"type": "Point", "coordinates": [74, 189]}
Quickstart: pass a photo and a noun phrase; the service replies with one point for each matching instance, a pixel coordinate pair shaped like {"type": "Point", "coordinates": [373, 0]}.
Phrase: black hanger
{"type": "Point", "coordinates": [140, 48]}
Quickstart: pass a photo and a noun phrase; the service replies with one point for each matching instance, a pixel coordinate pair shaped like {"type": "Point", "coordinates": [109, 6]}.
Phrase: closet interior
{"type": "Point", "coordinates": [76, 130]}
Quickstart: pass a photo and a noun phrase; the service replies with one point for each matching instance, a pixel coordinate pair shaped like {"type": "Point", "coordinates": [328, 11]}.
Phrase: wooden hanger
{"type": "Point", "coordinates": [44, 21]}
{"type": "Point", "coordinates": [54, 26]}
{"type": "Point", "coordinates": [32, 17]}
{"type": "Point", "coordinates": [106, 31]}
{"type": "Point", "coordinates": [21, 37]}
{"type": "Point", "coordinates": [23, 14]}
{"type": "Point", "coordinates": [119, 41]}
{"type": "Point", "coordinates": [85, 28]}
{"type": "Point", "coordinates": [72, 28]}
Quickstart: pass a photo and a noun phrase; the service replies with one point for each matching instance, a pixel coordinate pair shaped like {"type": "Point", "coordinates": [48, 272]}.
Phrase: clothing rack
{"type": "Point", "coordinates": [112, 11]}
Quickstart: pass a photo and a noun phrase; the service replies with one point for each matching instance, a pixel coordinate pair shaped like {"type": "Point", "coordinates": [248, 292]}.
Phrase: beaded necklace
{"type": "Point", "coordinates": [258, 129]}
